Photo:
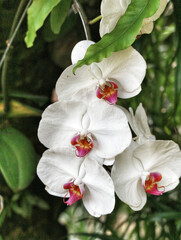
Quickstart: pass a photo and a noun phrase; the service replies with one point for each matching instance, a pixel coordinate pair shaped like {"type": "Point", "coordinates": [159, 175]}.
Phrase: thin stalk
{"type": "Point", "coordinates": [95, 20]}
{"type": "Point", "coordinates": [78, 8]}
{"type": "Point", "coordinates": [14, 30]}
{"type": "Point", "coordinates": [6, 55]}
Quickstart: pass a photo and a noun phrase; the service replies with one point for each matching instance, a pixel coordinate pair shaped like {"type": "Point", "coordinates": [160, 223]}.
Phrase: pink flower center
{"type": "Point", "coordinates": [108, 92]}
{"type": "Point", "coordinates": [83, 145]}
{"type": "Point", "coordinates": [150, 184]}
{"type": "Point", "coordinates": [75, 191]}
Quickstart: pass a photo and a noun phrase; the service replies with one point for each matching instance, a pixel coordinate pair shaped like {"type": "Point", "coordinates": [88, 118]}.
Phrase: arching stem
{"type": "Point", "coordinates": [78, 8]}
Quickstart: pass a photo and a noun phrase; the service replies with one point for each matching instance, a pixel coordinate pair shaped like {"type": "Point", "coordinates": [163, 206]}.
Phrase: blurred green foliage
{"type": "Point", "coordinates": [32, 214]}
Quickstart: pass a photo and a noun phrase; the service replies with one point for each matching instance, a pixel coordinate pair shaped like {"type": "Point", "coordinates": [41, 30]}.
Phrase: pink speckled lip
{"type": "Point", "coordinates": [83, 145]}
{"type": "Point", "coordinates": [151, 186]}
{"type": "Point", "coordinates": [75, 193]}
{"type": "Point", "coordinates": [108, 92]}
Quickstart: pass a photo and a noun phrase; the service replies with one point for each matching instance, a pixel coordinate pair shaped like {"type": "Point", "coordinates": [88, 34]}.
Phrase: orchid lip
{"type": "Point", "coordinates": [83, 144]}
{"type": "Point", "coordinates": [107, 90]}
{"type": "Point", "coordinates": [76, 192]}
{"type": "Point", "coordinates": [150, 183]}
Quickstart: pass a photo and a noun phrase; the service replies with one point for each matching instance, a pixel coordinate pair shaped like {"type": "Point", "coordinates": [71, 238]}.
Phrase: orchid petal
{"type": "Point", "coordinates": [148, 22]}
{"type": "Point", "coordinates": [157, 154]}
{"type": "Point", "coordinates": [63, 194]}
{"type": "Point", "coordinates": [109, 161]}
{"type": "Point", "coordinates": [99, 197]}
{"type": "Point", "coordinates": [139, 124]}
{"type": "Point", "coordinates": [79, 50]}
{"type": "Point", "coordinates": [54, 169]}
{"type": "Point", "coordinates": [100, 160]}
{"type": "Point", "coordinates": [147, 27]}
{"type": "Point", "coordinates": [60, 122]}
{"type": "Point", "coordinates": [126, 177]}
{"type": "Point", "coordinates": [71, 87]}
{"type": "Point", "coordinates": [127, 68]}
{"type": "Point", "coordinates": [96, 71]}
{"type": "Point", "coordinates": [109, 128]}
{"type": "Point", "coordinates": [111, 11]}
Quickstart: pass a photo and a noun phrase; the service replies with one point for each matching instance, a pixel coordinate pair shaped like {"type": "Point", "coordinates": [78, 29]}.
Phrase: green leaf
{"type": "Point", "coordinates": [39, 99]}
{"type": "Point", "coordinates": [37, 13]}
{"type": "Point", "coordinates": [18, 109]}
{"type": "Point", "coordinates": [123, 35]}
{"type": "Point", "coordinates": [58, 15]}
{"type": "Point", "coordinates": [18, 159]}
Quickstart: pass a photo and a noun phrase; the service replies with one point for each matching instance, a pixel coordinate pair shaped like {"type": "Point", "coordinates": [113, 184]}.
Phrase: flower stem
{"type": "Point", "coordinates": [6, 56]}
{"type": "Point", "coordinates": [95, 20]}
{"type": "Point", "coordinates": [78, 8]}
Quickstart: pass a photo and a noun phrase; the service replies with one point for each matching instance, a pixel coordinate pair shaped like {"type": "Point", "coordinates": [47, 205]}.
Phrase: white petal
{"type": "Point", "coordinates": [147, 27]}
{"type": "Point", "coordinates": [157, 154]}
{"type": "Point", "coordinates": [99, 197]}
{"type": "Point", "coordinates": [60, 122]}
{"type": "Point", "coordinates": [109, 128]}
{"type": "Point", "coordinates": [109, 161]}
{"type": "Point", "coordinates": [148, 22]}
{"type": "Point", "coordinates": [111, 11]}
{"type": "Point", "coordinates": [71, 87]}
{"type": "Point", "coordinates": [62, 194]}
{"type": "Point", "coordinates": [123, 94]}
{"type": "Point", "coordinates": [57, 167]}
{"type": "Point", "coordinates": [139, 124]}
{"type": "Point", "coordinates": [142, 120]}
{"type": "Point", "coordinates": [126, 177]}
{"type": "Point", "coordinates": [96, 71]}
{"type": "Point", "coordinates": [79, 50]}
{"type": "Point", "coordinates": [127, 68]}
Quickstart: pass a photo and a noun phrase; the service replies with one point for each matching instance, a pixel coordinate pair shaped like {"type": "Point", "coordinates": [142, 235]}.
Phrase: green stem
{"type": "Point", "coordinates": [78, 8]}
{"type": "Point", "coordinates": [6, 56]}
{"type": "Point", "coordinates": [95, 20]}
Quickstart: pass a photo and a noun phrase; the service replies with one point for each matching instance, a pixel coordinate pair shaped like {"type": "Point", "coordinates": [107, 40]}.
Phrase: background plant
{"type": "Point", "coordinates": [28, 76]}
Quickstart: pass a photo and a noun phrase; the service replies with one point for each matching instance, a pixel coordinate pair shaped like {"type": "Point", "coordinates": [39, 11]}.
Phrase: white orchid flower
{"type": "Point", "coordinates": [139, 124]}
{"type": "Point", "coordinates": [99, 128]}
{"type": "Point", "coordinates": [153, 167]}
{"type": "Point", "coordinates": [68, 176]}
{"type": "Point", "coordinates": [119, 75]}
{"type": "Point", "coordinates": [112, 10]}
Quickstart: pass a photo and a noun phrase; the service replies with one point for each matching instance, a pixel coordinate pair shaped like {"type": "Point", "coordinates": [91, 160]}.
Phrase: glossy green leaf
{"type": "Point", "coordinates": [37, 13]}
{"type": "Point", "coordinates": [18, 159]}
{"type": "Point", "coordinates": [123, 35]}
{"type": "Point", "coordinates": [58, 15]}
